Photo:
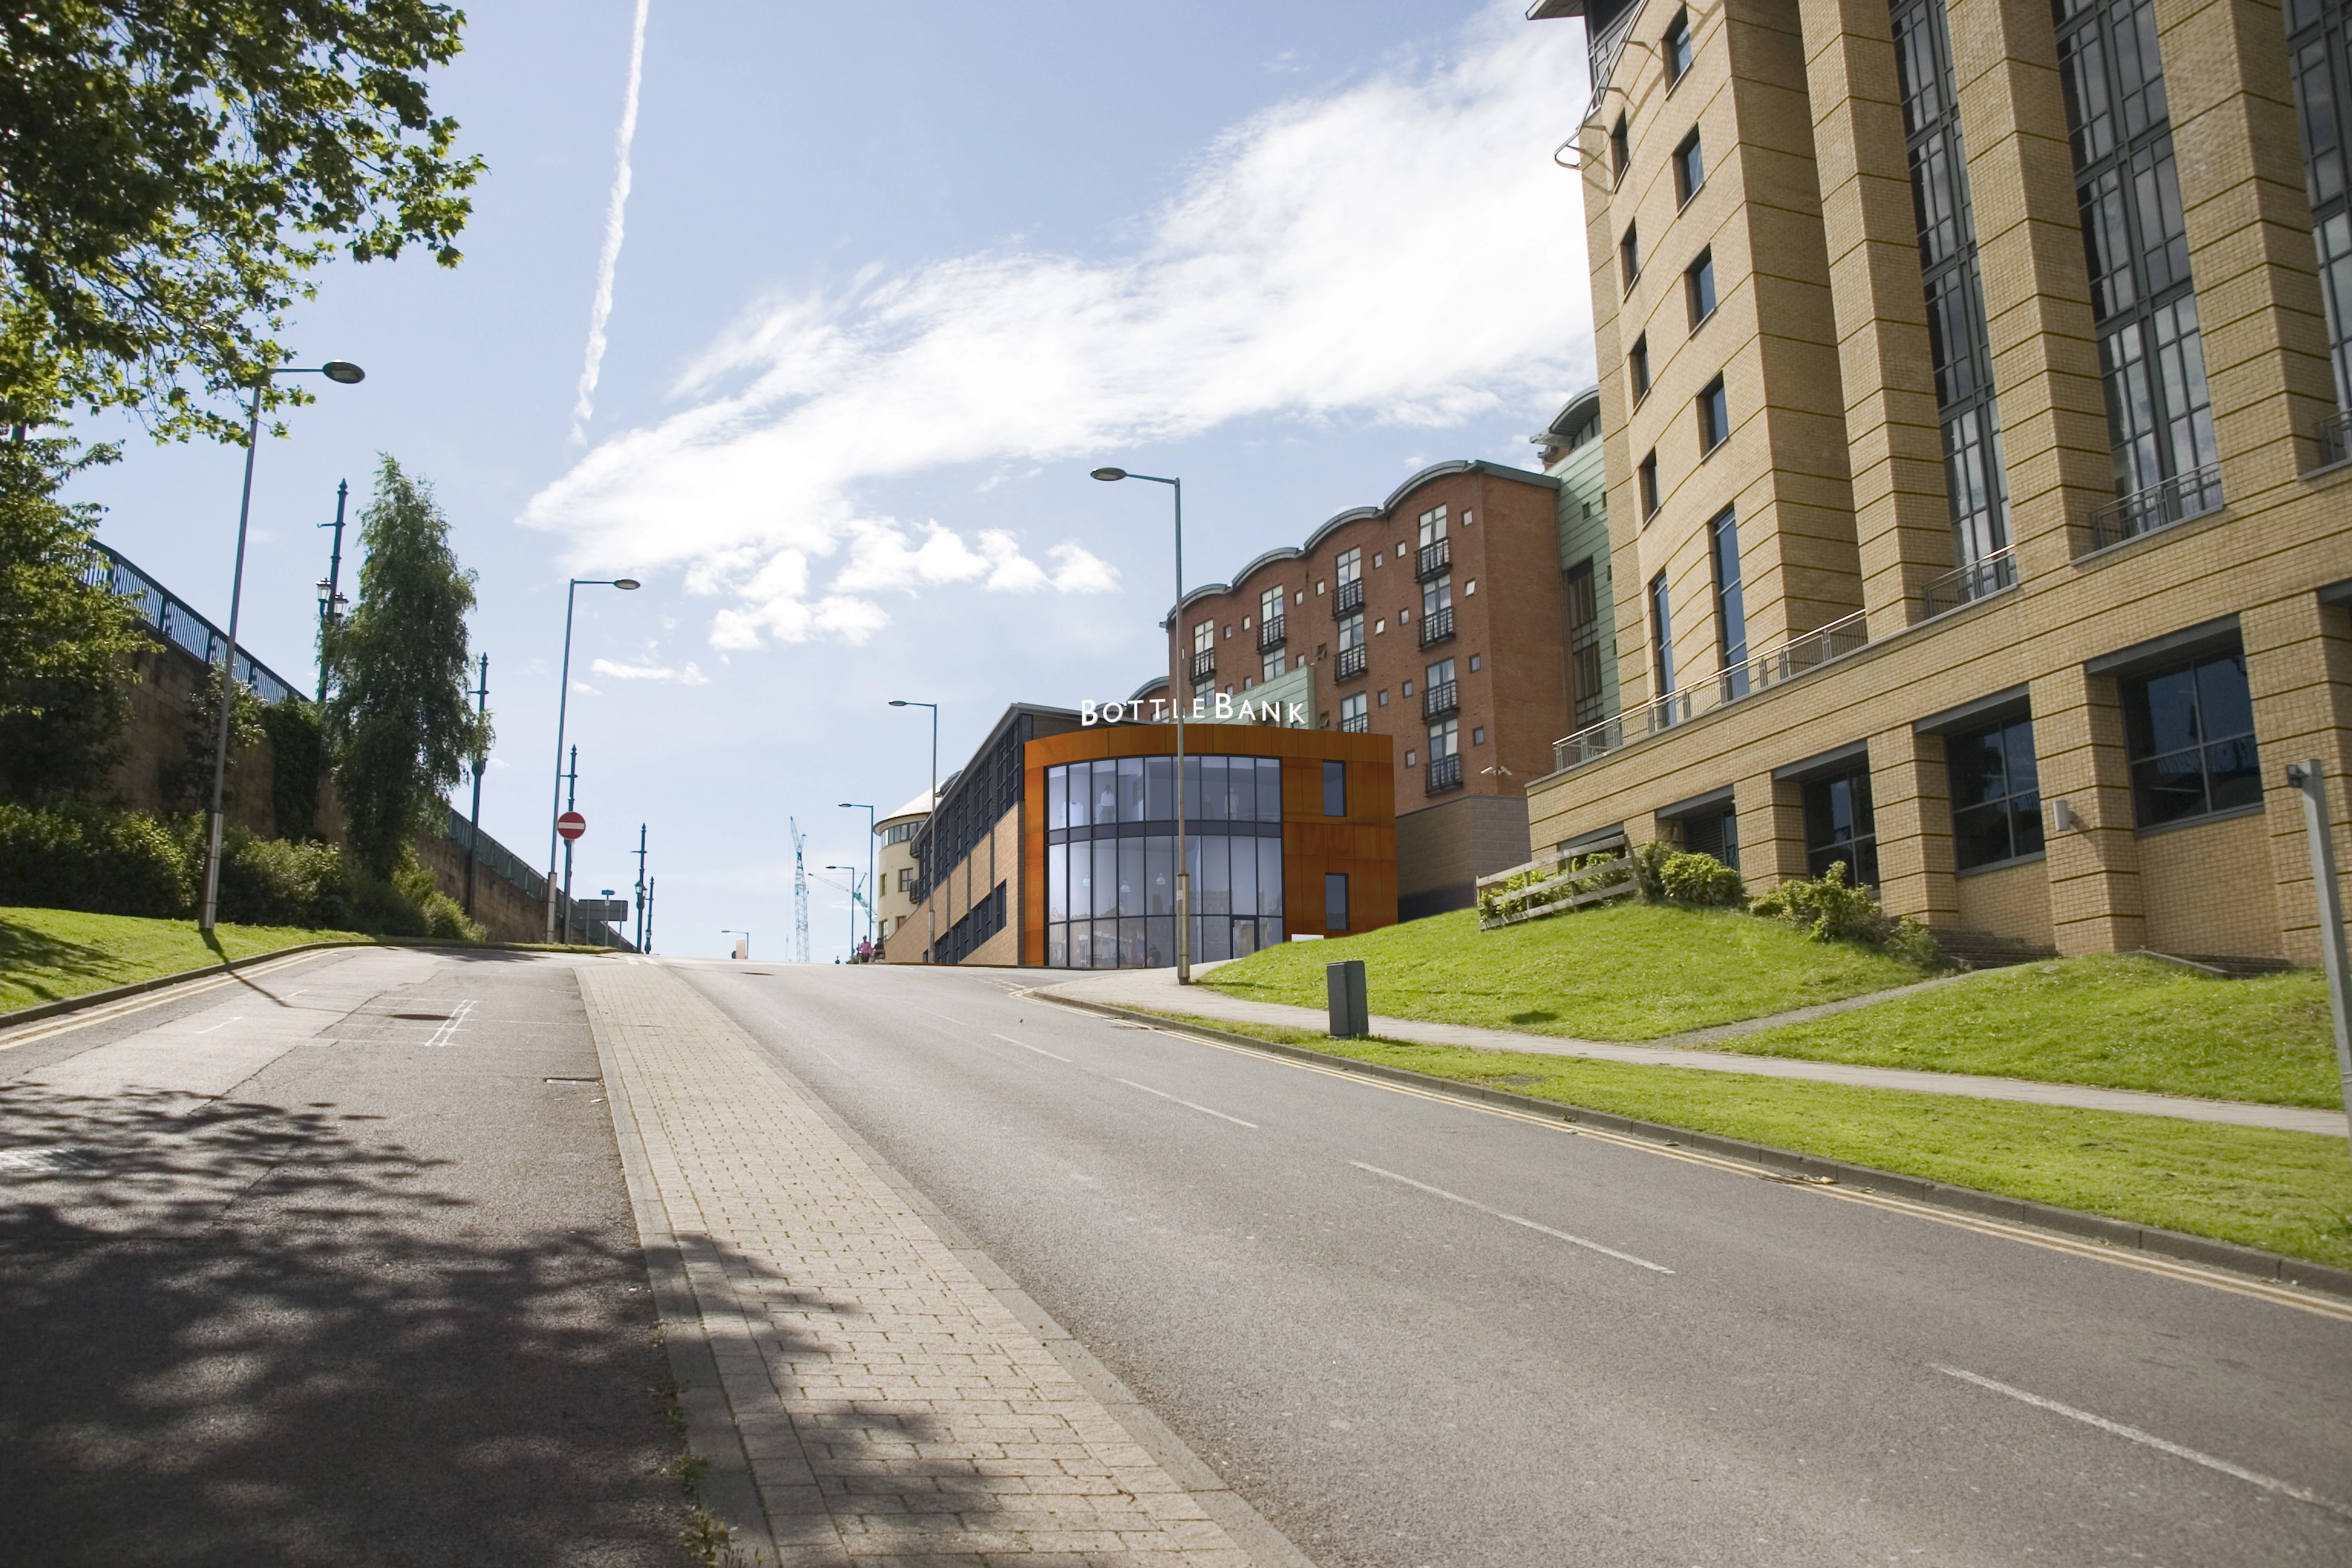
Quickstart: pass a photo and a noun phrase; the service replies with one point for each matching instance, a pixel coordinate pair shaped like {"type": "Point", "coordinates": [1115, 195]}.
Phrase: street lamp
{"type": "Point", "coordinates": [335, 370]}
{"type": "Point", "coordinates": [562, 702]}
{"type": "Point", "coordinates": [853, 902]}
{"type": "Point", "coordinates": [1183, 877]}
{"type": "Point", "coordinates": [859, 806]}
{"type": "Point", "coordinates": [930, 821]}
{"type": "Point", "coordinates": [730, 930]}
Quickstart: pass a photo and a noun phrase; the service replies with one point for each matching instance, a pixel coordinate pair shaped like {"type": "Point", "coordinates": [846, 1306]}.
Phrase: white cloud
{"type": "Point", "coordinates": [690, 676]}
{"type": "Point", "coordinates": [585, 690]}
{"type": "Point", "coordinates": [1402, 250]}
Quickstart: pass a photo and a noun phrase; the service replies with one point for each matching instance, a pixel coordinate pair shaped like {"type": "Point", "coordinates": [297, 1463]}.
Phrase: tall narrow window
{"type": "Point", "coordinates": [1690, 168]}
{"type": "Point", "coordinates": [2135, 244]}
{"type": "Point", "coordinates": [2190, 733]}
{"type": "Point", "coordinates": [1698, 286]}
{"type": "Point", "coordinates": [1629, 257]}
{"type": "Point", "coordinates": [1676, 46]}
{"type": "Point", "coordinates": [1996, 794]}
{"type": "Point", "coordinates": [2319, 49]}
{"type": "Point", "coordinates": [1584, 646]}
{"type": "Point", "coordinates": [1662, 638]}
{"type": "Point", "coordinates": [1355, 715]}
{"type": "Point", "coordinates": [1335, 789]}
{"type": "Point", "coordinates": [1637, 366]}
{"type": "Point", "coordinates": [1335, 900]}
{"type": "Point", "coordinates": [1648, 481]}
{"type": "Point", "coordinates": [1840, 828]}
{"type": "Point", "coordinates": [1960, 349]}
{"type": "Point", "coordinates": [1730, 608]}
{"type": "Point", "coordinates": [1714, 416]}
{"type": "Point", "coordinates": [1621, 148]}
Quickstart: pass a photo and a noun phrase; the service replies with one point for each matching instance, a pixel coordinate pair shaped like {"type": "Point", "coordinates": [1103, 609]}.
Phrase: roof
{"type": "Point", "coordinates": [918, 806]}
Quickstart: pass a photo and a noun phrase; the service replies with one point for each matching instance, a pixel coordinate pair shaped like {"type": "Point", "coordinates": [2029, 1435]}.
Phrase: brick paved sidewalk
{"type": "Point", "coordinates": [891, 1409]}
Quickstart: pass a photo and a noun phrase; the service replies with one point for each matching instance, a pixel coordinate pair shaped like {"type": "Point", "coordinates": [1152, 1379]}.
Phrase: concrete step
{"type": "Point", "coordinates": [1984, 950]}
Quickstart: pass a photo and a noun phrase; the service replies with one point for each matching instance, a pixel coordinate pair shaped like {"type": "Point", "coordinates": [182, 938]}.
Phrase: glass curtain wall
{"type": "Point", "coordinates": [1960, 350]}
{"type": "Point", "coordinates": [2319, 46]}
{"type": "Point", "coordinates": [1110, 860]}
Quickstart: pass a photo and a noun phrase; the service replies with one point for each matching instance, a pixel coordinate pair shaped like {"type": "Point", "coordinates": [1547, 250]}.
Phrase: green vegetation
{"type": "Point", "coordinates": [49, 955]}
{"type": "Point", "coordinates": [2285, 1191]}
{"type": "Point", "coordinates": [1633, 971]}
{"type": "Point", "coordinates": [2118, 1023]}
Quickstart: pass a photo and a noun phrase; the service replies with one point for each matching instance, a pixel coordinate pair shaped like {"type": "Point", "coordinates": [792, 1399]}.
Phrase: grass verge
{"type": "Point", "coordinates": [2117, 1023]}
{"type": "Point", "coordinates": [47, 955]}
{"type": "Point", "coordinates": [1627, 973]}
{"type": "Point", "coordinates": [2285, 1191]}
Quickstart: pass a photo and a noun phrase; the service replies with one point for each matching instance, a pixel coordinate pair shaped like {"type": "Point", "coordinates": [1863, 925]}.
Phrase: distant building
{"type": "Point", "coordinates": [894, 866]}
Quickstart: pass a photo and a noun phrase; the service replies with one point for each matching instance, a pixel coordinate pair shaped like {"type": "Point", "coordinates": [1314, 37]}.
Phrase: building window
{"type": "Point", "coordinates": [1662, 638]}
{"type": "Point", "coordinates": [1715, 834]}
{"type": "Point", "coordinates": [1478, 736]}
{"type": "Point", "coordinates": [2190, 733]}
{"type": "Point", "coordinates": [1698, 287]}
{"type": "Point", "coordinates": [2135, 243]}
{"type": "Point", "coordinates": [1690, 168]}
{"type": "Point", "coordinates": [1437, 594]}
{"type": "Point", "coordinates": [1637, 367]}
{"type": "Point", "coordinates": [1996, 794]}
{"type": "Point", "coordinates": [1838, 828]}
{"type": "Point", "coordinates": [1350, 568]}
{"type": "Point", "coordinates": [1431, 526]}
{"type": "Point", "coordinates": [1335, 787]}
{"type": "Point", "coordinates": [1408, 759]}
{"type": "Point", "coordinates": [1621, 149]}
{"type": "Point", "coordinates": [1714, 416]}
{"type": "Point", "coordinates": [2319, 50]}
{"type": "Point", "coordinates": [1958, 347]}
{"type": "Point", "coordinates": [1675, 47]}
{"type": "Point", "coordinates": [1335, 900]}
{"type": "Point", "coordinates": [1629, 257]}
{"type": "Point", "coordinates": [1384, 696]}
{"type": "Point", "coordinates": [1355, 714]}
{"type": "Point", "coordinates": [1730, 608]}
{"type": "Point", "coordinates": [1648, 476]}
{"type": "Point", "coordinates": [1584, 646]}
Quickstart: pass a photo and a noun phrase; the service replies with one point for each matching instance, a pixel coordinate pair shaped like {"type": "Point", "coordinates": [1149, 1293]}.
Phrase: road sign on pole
{"type": "Point", "coordinates": [571, 824]}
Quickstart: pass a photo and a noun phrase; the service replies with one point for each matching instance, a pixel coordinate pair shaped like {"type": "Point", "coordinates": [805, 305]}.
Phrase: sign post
{"type": "Point", "coordinates": [2306, 779]}
{"type": "Point", "coordinates": [571, 826]}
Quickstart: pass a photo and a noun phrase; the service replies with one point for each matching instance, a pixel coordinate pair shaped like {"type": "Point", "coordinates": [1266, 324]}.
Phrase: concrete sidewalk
{"type": "Point", "coordinates": [876, 1403]}
{"type": "Point", "coordinates": [1156, 991]}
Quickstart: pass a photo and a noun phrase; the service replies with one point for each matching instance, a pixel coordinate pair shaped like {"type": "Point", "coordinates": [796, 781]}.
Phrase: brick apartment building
{"type": "Point", "coordinates": [1971, 381]}
{"type": "Point", "coordinates": [1437, 619]}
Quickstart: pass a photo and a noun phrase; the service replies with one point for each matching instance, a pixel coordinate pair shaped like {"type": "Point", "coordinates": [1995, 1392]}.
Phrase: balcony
{"type": "Point", "coordinates": [1204, 663]}
{"type": "Point", "coordinates": [1348, 599]}
{"type": "Point", "coordinates": [1351, 663]}
{"type": "Point", "coordinates": [1444, 773]}
{"type": "Point", "coordinates": [1357, 724]}
{"type": "Point", "coordinates": [1971, 583]}
{"type": "Point", "coordinates": [1438, 700]}
{"type": "Point", "coordinates": [1800, 655]}
{"type": "Point", "coordinates": [1435, 557]}
{"type": "Point", "coordinates": [2335, 437]}
{"type": "Point", "coordinates": [1436, 626]}
{"type": "Point", "coordinates": [2177, 500]}
{"type": "Point", "coordinates": [1269, 634]}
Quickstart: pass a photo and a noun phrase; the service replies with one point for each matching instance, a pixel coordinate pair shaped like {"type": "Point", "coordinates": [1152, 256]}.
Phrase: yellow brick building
{"type": "Point", "coordinates": [1973, 380]}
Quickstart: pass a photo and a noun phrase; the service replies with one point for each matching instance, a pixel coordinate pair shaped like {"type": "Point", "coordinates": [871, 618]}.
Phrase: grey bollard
{"type": "Point", "coordinates": [1351, 1018]}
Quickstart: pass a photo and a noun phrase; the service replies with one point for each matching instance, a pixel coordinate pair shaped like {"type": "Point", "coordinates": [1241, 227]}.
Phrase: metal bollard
{"type": "Point", "coordinates": [1351, 1017]}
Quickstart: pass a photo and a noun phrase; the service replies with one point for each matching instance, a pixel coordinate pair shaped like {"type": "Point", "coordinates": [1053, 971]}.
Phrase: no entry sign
{"type": "Point", "coordinates": [571, 824]}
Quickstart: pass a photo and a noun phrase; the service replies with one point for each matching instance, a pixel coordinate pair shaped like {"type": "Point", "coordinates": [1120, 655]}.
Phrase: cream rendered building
{"type": "Point", "coordinates": [894, 865]}
{"type": "Point", "coordinates": [1972, 376]}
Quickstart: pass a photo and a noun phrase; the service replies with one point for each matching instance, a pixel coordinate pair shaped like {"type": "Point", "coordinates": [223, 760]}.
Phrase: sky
{"type": "Point", "coordinates": [884, 286]}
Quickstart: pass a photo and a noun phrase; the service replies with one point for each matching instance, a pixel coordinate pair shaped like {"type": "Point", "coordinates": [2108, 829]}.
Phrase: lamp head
{"type": "Point", "coordinates": [1108, 475]}
{"type": "Point", "coordinates": [628, 585]}
{"type": "Point", "coordinates": [344, 371]}
{"type": "Point", "coordinates": [897, 702]}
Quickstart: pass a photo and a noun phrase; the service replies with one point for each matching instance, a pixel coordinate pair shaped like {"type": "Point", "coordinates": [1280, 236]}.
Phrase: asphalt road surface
{"type": "Point", "coordinates": [1412, 1332]}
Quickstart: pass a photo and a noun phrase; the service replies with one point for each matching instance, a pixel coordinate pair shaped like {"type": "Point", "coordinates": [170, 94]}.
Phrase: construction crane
{"type": "Point", "coordinates": [799, 893]}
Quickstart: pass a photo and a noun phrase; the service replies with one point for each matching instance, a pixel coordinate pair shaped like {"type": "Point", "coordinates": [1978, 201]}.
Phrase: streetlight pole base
{"type": "Point", "coordinates": [208, 916]}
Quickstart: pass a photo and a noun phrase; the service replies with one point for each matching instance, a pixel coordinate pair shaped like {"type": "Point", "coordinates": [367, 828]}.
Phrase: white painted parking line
{"type": "Point", "coordinates": [224, 1024]}
{"type": "Point", "coordinates": [2150, 1441]}
{"type": "Point", "coordinates": [1188, 1104]}
{"type": "Point", "coordinates": [1515, 1219]}
{"type": "Point", "coordinates": [449, 1025]}
{"type": "Point", "coordinates": [1041, 1051]}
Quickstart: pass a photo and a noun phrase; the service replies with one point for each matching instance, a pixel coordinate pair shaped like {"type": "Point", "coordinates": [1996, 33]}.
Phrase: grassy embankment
{"type": "Point", "coordinates": [49, 954]}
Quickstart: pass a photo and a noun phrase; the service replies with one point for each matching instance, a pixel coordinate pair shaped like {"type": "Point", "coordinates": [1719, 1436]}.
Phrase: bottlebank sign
{"type": "Point", "coordinates": [1287, 701]}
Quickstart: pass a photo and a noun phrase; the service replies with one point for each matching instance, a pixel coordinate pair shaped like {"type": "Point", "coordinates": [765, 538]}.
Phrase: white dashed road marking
{"type": "Point", "coordinates": [1515, 1219]}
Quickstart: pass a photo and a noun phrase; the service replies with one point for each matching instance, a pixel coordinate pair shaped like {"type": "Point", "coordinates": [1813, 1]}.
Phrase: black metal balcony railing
{"type": "Point", "coordinates": [1357, 724]}
{"type": "Point", "coordinates": [1351, 663]}
{"type": "Point", "coordinates": [2334, 435]}
{"type": "Point", "coordinates": [2177, 500]}
{"type": "Point", "coordinates": [1435, 557]}
{"type": "Point", "coordinates": [1348, 599]}
{"type": "Point", "coordinates": [1971, 583]}
{"type": "Point", "coordinates": [1438, 700]}
{"type": "Point", "coordinates": [1204, 663]}
{"type": "Point", "coordinates": [177, 620]}
{"type": "Point", "coordinates": [1269, 634]}
{"type": "Point", "coordinates": [1436, 626]}
{"type": "Point", "coordinates": [1444, 772]}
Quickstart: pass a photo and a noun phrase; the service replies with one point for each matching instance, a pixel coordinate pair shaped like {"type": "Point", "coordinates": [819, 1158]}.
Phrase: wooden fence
{"type": "Point", "coordinates": [1591, 876]}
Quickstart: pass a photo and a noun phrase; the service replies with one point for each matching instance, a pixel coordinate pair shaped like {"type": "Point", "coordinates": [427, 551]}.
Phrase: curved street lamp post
{"type": "Point", "coordinates": [861, 805]}
{"type": "Point", "coordinates": [931, 824]}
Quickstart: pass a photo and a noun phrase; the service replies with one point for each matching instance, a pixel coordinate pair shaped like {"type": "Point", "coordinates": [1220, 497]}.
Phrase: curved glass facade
{"type": "Point", "coordinates": [1110, 859]}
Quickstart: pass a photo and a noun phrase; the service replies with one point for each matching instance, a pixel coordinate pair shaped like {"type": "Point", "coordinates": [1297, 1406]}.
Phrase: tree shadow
{"type": "Point", "coordinates": [23, 948]}
{"type": "Point", "coordinates": [1535, 1018]}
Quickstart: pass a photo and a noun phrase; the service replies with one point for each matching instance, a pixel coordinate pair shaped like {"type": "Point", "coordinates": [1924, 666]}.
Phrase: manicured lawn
{"type": "Point", "coordinates": [2285, 1191]}
{"type": "Point", "coordinates": [49, 955]}
{"type": "Point", "coordinates": [2119, 1023]}
{"type": "Point", "coordinates": [1628, 972]}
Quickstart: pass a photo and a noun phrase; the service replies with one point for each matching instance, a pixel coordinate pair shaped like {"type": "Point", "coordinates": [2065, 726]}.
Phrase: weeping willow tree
{"type": "Point", "coordinates": [398, 723]}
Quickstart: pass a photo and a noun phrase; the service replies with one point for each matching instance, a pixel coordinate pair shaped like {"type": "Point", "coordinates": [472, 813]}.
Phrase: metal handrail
{"type": "Point", "coordinates": [1436, 626]}
{"type": "Point", "coordinates": [1204, 663]}
{"type": "Point", "coordinates": [1800, 655]}
{"type": "Point", "coordinates": [1444, 773]}
{"type": "Point", "coordinates": [1269, 634]}
{"type": "Point", "coordinates": [1351, 663]}
{"type": "Point", "coordinates": [1435, 557]}
{"type": "Point", "coordinates": [178, 620]}
{"type": "Point", "coordinates": [2176, 500]}
{"type": "Point", "coordinates": [2335, 437]}
{"type": "Point", "coordinates": [1350, 598]}
{"type": "Point", "coordinates": [1971, 583]}
{"type": "Point", "coordinates": [1359, 724]}
{"type": "Point", "coordinates": [1440, 699]}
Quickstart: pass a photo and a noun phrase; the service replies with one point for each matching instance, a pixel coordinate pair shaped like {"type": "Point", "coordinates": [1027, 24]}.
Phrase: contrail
{"type": "Point", "coordinates": [602, 309]}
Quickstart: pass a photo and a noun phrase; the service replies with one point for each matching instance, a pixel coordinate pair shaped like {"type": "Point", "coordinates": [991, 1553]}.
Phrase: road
{"type": "Point", "coordinates": [1415, 1332]}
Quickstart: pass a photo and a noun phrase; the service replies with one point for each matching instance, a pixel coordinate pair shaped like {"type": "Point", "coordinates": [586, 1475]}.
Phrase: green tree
{"type": "Point", "coordinates": [65, 638]}
{"type": "Point", "coordinates": [171, 171]}
{"type": "Point", "coordinates": [397, 721]}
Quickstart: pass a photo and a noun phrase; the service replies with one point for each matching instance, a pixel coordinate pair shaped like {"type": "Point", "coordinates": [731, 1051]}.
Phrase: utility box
{"type": "Point", "coordinates": [1351, 1017]}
